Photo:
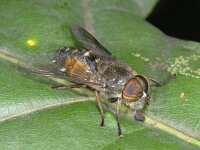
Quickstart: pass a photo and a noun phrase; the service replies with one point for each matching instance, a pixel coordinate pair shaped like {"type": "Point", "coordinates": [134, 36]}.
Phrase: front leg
{"type": "Point", "coordinates": [157, 83]}
{"type": "Point", "coordinates": [117, 118]}
{"type": "Point", "coordinates": [62, 87]}
{"type": "Point", "coordinates": [100, 108]}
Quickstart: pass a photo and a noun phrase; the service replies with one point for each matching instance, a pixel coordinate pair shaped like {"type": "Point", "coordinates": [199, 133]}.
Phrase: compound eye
{"type": "Point", "coordinates": [132, 91]}
{"type": "Point", "coordinates": [143, 83]}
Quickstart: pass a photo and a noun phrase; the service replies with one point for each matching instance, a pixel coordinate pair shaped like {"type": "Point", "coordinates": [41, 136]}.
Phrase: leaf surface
{"type": "Point", "coordinates": [34, 117]}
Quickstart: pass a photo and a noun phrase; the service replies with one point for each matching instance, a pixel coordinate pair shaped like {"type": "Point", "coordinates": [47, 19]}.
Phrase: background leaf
{"type": "Point", "coordinates": [34, 117]}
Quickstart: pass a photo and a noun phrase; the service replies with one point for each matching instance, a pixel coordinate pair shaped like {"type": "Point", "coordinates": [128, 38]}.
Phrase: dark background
{"type": "Point", "coordinates": [177, 18]}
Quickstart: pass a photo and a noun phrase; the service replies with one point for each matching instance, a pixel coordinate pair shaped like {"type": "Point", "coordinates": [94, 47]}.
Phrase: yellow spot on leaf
{"type": "Point", "coordinates": [184, 65]}
{"type": "Point", "coordinates": [145, 59]}
{"type": "Point", "coordinates": [183, 97]}
{"type": "Point", "coordinates": [31, 42]}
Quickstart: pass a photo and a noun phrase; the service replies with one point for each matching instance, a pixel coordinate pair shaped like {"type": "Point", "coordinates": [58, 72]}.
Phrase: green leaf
{"type": "Point", "coordinates": [34, 117]}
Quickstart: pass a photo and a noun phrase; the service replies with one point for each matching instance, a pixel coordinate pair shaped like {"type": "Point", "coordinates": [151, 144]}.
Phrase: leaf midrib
{"type": "Point", "coordinates": [47, 106]}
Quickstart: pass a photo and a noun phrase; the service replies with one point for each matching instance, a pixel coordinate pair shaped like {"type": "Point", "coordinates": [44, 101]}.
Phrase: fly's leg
{"type": "Point", "coordinates": [60, 87]}
{"type": "Point", "coordinates": [117, 118]}
{"type": "Point", "coordinates": [157, 83]}
{"type": "Point", "coordinates": [74, 88]}
{"type": "Point", "coordinates": [100, 108]}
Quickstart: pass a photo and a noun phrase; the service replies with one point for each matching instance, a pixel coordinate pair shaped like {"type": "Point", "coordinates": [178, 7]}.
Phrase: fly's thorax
{"type": "Point", "coordinates": [115, 75]}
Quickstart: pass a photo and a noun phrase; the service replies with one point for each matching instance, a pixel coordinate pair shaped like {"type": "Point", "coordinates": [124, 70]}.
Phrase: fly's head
{"type": "Point", "coordinates": [135, 89]}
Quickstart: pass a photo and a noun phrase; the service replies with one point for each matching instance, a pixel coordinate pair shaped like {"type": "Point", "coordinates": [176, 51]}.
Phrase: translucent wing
{"type": "Point", "coordinates": [77, 64]}
{"type": "Point", "coordinates": [76, 76]}
{"type": "Point", "coordinates": [71, 67]}
{"type": "Point", "coordinates": [89, 41]}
